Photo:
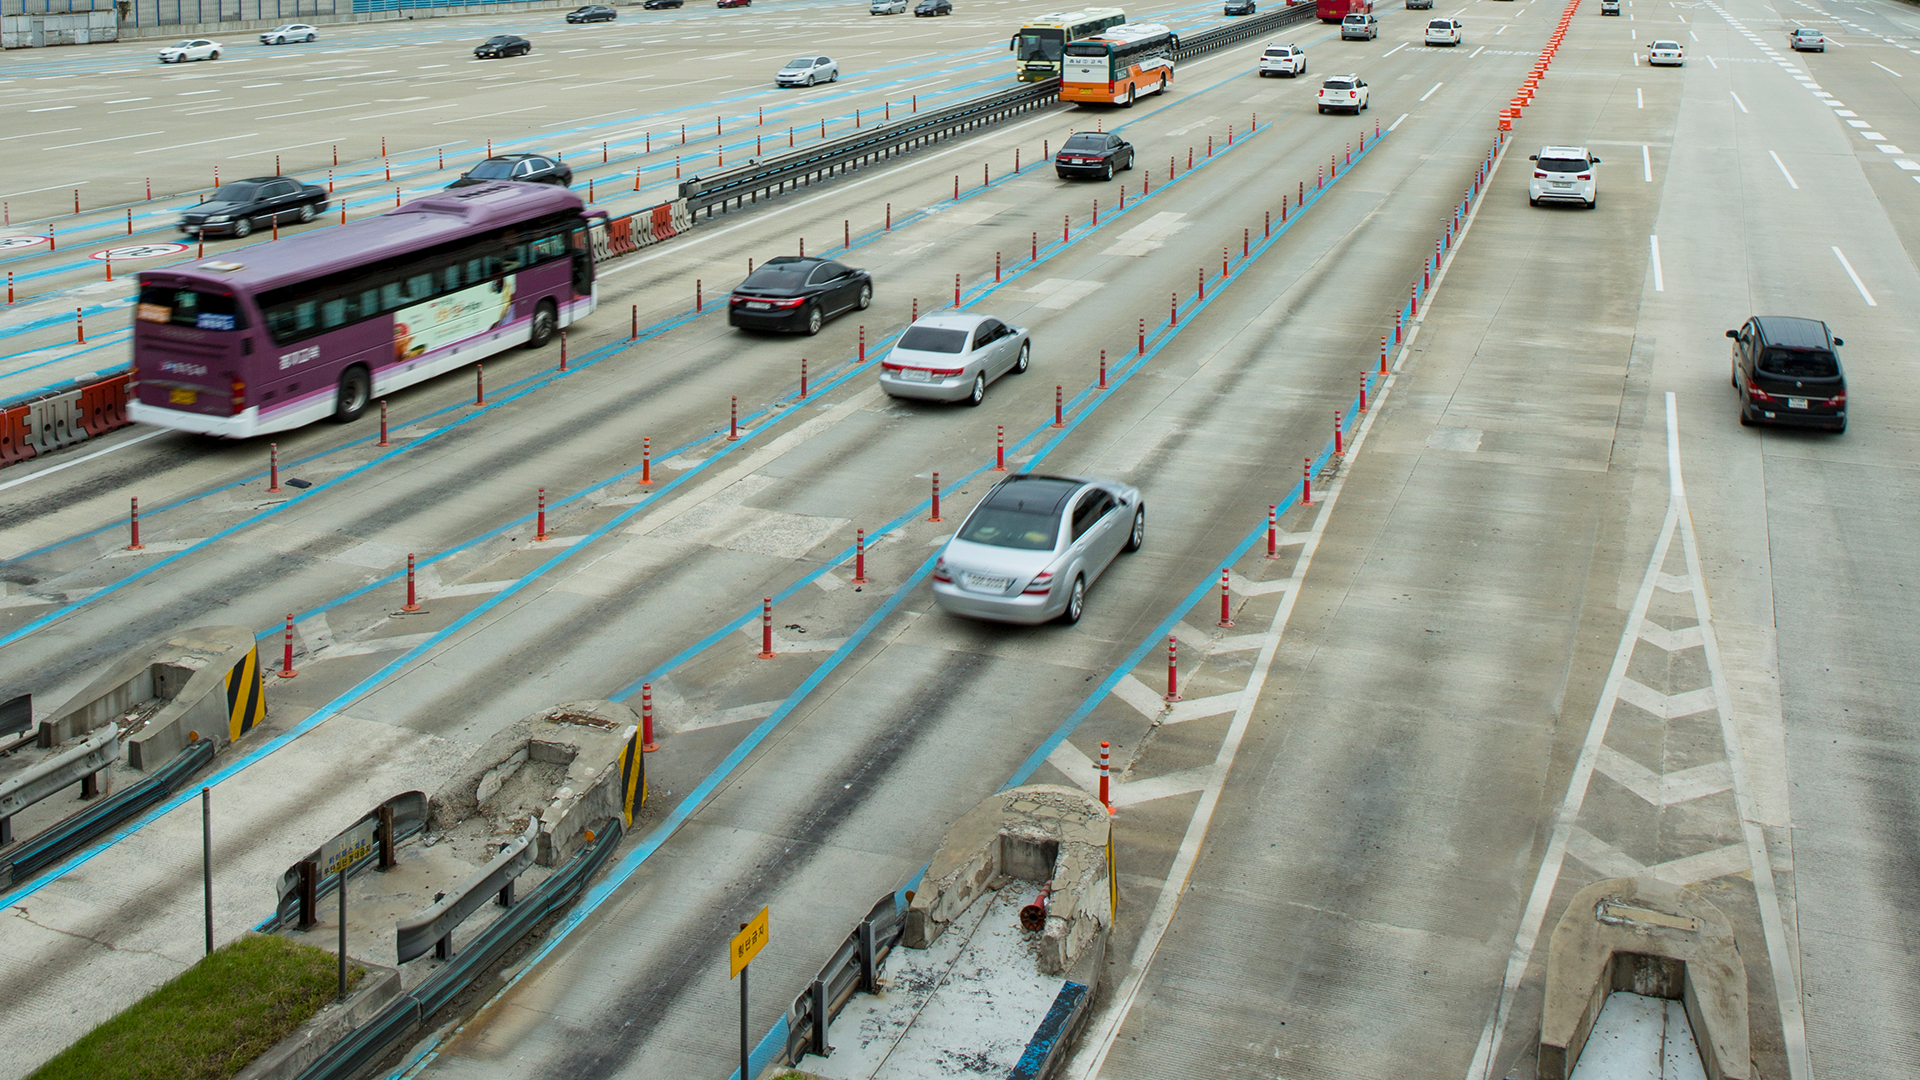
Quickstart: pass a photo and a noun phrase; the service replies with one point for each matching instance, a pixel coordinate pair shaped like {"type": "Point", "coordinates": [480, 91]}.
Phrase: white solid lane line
{"type": "Point", "coordinates": [1646, 163]}
{"type": "Point", "coordinates": [1857, 283]}
{"type": "Point", "coordinates": [1886, 69]}
{"type": "Point", "coordinates": [1429, 93]}
{"type": "Point", "coordinates": [1393, 50]}
{"type": "Point", "coordinates": [1737, 101]}
{"type": "Point", "coordinates": [1783, 170]}
{"type": "Point", "coordinates": [1659, 283]}
{"type": "Point", "coordinates": [49, 471]}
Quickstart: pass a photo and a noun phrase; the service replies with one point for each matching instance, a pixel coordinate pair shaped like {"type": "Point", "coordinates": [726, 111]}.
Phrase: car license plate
{"type": "Point", "coordinates": [759, 305]}
{"type": "Point", "coordinates": [915, 374]}
{"type": "Point", "coordinates": [182, 397]}
{"type": "Point", "coordinates": [1559, 183]}
{"type": "Point", "coordinates": [985, 583]}
{"type": "Point", "coordinates": [1796, 403]}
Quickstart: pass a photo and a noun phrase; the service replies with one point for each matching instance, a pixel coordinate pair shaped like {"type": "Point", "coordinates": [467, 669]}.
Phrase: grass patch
{"type": "Point", "coordinates": [211, 1020]}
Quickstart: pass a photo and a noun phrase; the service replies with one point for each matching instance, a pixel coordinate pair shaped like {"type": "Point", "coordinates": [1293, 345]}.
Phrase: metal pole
{"type": "Point", "coordinates": [206, 859]}
{"type": "Point", "coordinates": [343, 935]}
{"type": "Point", "coordinates": [745, 1046]}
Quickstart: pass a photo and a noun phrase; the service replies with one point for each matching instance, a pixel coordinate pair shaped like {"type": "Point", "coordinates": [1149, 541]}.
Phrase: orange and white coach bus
{"type": "Point", "coordinates": [1123, 63]}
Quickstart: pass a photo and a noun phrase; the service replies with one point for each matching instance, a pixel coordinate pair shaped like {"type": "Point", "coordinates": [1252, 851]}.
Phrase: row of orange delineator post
{"type": "Point", "coordinates": [1524, 95]}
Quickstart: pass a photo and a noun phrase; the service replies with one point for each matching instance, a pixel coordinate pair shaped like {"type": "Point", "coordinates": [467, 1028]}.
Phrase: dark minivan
{"type": "Point", "coordinates": [1787, 372]}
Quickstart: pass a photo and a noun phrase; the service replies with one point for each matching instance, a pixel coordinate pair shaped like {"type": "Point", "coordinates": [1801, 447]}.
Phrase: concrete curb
{"type": "Point", "coordinates": [207, 679]}
{"type": "Point", "coordinates": [291, 1055]}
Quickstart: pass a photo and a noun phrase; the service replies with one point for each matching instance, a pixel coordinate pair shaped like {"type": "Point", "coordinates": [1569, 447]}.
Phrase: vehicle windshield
{"type": "Point", "coordinates": [1001, 527]}
{"type": "Point", "coordinates": [492, 169]}
{"type": "Point", "coordinates": [1799, 364]}
{"type": "Point", "coordinates": [498, 40]}
{"type": "Point", "coordinates": [1439, 24]}
{"type": "Point", "coordinates": [799, 63]}
{"type": "Point", "coordinates": [1356, 18]}
{"type": "Point", "coordinates": [933, 339]}
{"type": "Point", "coordinates": [1039, 45]}
{"type": "Point", "coordinates": [187, 307]}
{"type": "Point", "coordinates": [778, 276]}
{"type": "Point", "coordinates": [1666, 45]}
{"type": "Point", "coordinates": [234, 195]}
{"type": "Point", "coordinates": [184, 45]}
{"type": "Point", "coordinates": [1337, 84]}
{"type": "Point", "coordinates": [1085, 142]}
{"type": "Point", "coordinates": [1572, 165]}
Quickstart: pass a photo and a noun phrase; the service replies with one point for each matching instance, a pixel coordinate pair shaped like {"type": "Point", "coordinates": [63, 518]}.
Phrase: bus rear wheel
{"type": "Point", "coordinates": [356, 389]}
{"type": "Point", "coordinates": [545, 321]}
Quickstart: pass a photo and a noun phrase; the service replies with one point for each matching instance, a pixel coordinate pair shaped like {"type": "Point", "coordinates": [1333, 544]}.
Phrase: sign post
{"type": "Point", "coordinates": [746, 944]}
{"type": "Point", "coordinates": [340, 856]}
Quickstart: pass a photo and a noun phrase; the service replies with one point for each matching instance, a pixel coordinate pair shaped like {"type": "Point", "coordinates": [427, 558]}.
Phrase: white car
{"type": "Point", "coordinates": [1807, 41]}
{"type": "Point", "coordinates": [191, 49]}
{"type": "Point", "coordinates": [1443, 32]}
{"type": "Point", "coordinates": [1564, 174]}
{"type": "Point", "coordinates": [280, 35]}
{"type": "Point", "coordinates": [1359, 27]}
{"type": "Point", "coordinates": [888, 7]}
{"type": "Point", "coordinates": [1667, 53]}
{"type": "Point", "coordinates": [1343, 92]}
{"type": "Point", "coordinates": [1288, 60]}
{"type": "Point", "coordinates": [807, 70]}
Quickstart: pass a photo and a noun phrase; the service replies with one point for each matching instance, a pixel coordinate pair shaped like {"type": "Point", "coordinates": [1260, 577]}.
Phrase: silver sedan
{"type": "Point", "coordinates": [952, 357]}
{"type": "Point", "coordinates": [1035, 544]}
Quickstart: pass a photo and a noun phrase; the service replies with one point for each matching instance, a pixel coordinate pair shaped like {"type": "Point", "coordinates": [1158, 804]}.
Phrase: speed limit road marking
{"type": "Point", "coordinates": [138, 251]}
{"type": "Point", "coordinates": [10, 242]}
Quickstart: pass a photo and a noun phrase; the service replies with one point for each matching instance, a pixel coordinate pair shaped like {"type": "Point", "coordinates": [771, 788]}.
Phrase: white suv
{"type": "Point", "coordinates": [1443, 32]}
{"type": "Point", "coordinates": [1288, 60]}
{"type": "Point", "coordinates": [1564, 174]}
{"type": "Point", "coordinates": [1343, 92]}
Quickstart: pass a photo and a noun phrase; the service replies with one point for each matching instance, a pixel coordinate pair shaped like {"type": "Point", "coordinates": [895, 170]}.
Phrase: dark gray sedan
{"type": "Point", "coordinates": [1034, 546]}
{"type": "Point", "coordinates": [258, 202]}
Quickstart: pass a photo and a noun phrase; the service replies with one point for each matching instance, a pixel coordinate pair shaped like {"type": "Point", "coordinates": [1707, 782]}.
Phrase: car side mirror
{"type": "Point", "coordinates": [1533, 157]}
{"type": "Point", "coordinates": [1733, 334]}
{"type": "Point", "coordinates": [1837, 343]}
{"type": "Point", "coordinates": [1594, 161]}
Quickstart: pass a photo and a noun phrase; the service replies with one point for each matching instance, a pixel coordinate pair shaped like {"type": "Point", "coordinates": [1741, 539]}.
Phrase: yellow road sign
{"type": "Point", "coordinates": [748, 942]}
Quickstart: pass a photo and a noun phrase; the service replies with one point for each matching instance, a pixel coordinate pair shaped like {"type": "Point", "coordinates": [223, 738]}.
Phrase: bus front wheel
{"type": "Point", "coordinates": [545, 321]}
{"type": "Point", "coordinates": [356, 389]}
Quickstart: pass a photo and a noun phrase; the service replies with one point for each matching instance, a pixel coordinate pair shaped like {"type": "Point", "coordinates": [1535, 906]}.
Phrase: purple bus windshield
{"type": "Point", "coordinates": [280, 334]}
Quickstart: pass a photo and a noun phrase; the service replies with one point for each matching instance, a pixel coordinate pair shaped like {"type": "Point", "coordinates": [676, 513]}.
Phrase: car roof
{"type": "Point", "coordinates": [1348, 78]}
{"type": "Point", "coordinates": [1563, 151]}
{"type": "Point", "coordinates": [1034, 493]}
{"type": "Point", "coordinates": [519, 157]}
{"type": "Point", "coordinates": [1790, 332]}
{"type": "Point", "coordinates": [792, 260]}
{"type": "Point", "coordinates": [952, 321]}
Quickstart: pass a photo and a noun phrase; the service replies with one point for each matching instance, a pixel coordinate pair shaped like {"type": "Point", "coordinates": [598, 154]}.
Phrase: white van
{"type": "Point", "coordinates": [1443, 32]}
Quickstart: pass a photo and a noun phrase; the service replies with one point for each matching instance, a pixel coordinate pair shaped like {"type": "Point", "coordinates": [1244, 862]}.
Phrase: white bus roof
{"type": "Point", "coordinates": [1129, 33]}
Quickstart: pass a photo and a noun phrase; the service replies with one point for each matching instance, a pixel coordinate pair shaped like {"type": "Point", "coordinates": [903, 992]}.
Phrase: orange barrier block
{"type": "Point", "coordinates": [15, 446]}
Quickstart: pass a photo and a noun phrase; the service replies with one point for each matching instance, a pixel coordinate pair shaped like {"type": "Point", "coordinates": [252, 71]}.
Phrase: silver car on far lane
{"type": "Point", "coordinates": [1035, 544]}
{"type": "Point", "coordinates": [952, 357]}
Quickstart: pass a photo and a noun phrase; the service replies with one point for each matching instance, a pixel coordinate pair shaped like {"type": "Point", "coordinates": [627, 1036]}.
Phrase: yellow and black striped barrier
{"type": "Point", "coordinates": [633, 776]}
{"type": "Point", "coordinates": [246, 702]}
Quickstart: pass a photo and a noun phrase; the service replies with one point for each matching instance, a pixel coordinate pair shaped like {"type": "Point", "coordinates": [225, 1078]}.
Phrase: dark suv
{"type": "Point", "coordinates": [527, 168]}
{"type": "Point", "coordinates": [794, 293]}
{"type": "Point", "coordinates": [1093, 153]}
{"type": "Point", "coordinates": [1787, 372]}
{"type": "Point", "coordinates": [261, 202]}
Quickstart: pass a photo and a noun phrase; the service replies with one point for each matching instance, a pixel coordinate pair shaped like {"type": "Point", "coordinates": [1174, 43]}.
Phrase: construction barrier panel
{"type": "Point", "coordinates": [16, 439]}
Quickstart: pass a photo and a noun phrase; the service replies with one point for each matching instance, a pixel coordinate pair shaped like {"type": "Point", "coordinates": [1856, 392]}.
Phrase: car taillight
{"type": "Point", "coordinates": [1041, 584]}
{"type": "Point", "coordinates": [239, 399]}
{"type": "Point", "coordinates": [792, 303]}
{"type": "Point", "coordinates": [1837, 400]}
{"type": "Point", "coordinates": [940, 572]}
{"type": "Point", "coordinates": [1586, 176]}
{"type": "Point", "coordinates": [944, 372]}
{"type": "Point", "coordinates": [1538, 175]}
{"type": "Point", "coordinates": [1758, 394]}
{"type": "Point", "coordinates": [884, 366]}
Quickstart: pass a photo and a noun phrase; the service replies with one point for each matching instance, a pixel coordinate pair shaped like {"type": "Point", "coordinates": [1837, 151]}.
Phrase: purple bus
{"type": "Point", "coordinates": [281, 334]}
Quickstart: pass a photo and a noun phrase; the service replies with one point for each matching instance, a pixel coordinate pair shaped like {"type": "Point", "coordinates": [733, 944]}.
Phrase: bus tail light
{"type": "Point", "coordinates": [239, 400]}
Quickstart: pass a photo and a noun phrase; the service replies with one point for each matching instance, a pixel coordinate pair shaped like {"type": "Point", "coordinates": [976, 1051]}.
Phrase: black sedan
{"type": "Point", "coordinates": [1092, 153]}
{"type": "Point", "coordinates": [656, 5]}
{"type": "Point", "coordinates": [238, 208]}
{"type": "Point", "coordinates": [1239, 7]}
{"type": "Point", "coordinates": [527, 168]}
{"type": "Point", "coordinates": [933, 7]}
{"type": "Point", "coordinates": [797, 293]}
{"type": "Point", "coordinates": [503, 45]}
{"type": "Point", "coordinates": [592, 13]}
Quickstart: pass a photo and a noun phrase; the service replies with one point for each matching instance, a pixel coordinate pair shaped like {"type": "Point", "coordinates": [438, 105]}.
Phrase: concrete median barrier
{"type": "Point", "coordinates": [199, 684]}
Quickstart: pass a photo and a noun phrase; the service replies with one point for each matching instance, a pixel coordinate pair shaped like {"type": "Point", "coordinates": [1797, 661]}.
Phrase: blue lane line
{"type": "Point", "coordinates": [629, 865]}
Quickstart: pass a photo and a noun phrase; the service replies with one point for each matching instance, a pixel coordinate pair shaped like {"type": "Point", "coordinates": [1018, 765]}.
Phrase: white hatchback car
{"type": "Point", "coordinates": [1443, 32]}
{"type": "Point", "coordinates": [190, 49]}
{"type": "Point", "coordinates": [1343, 92]}
{"type": "Point", "coordinates": [1564, 174]}
{"type": "Point", "coordinates": [1666, 53]}
{"type": "Point", "coordinates": [280, 35]}
{"type": "Point", "coordinates": [1288, 60]}
{"type": "Point", "coordinates": [807, 70]}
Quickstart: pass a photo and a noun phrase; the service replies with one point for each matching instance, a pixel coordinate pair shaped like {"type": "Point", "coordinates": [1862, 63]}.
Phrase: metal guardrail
{"type": "Point", "coordinates": [433, 928]}
{"type": "Point", "coordinates": [738, 187]}
{"type": "Point", "coordinates": [380, 829]}
{"type": "Point", "coordinates": [853, 969]}
{"type": "Point", "coordinates": [75, 832]}
{"type": "Point", "coordinates": [406, 1013]}
{"type": "Point", "coordinates": [76, 765]}
{"type": "Point", "coordinates": [1206, 41]}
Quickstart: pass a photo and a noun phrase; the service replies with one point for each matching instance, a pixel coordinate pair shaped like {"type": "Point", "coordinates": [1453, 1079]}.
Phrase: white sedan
{"type": "Point", "coordinates": [1668, 53]}
{"type": "Point", "coordinates": [191, 49]}
{"type": "Point", "coordinates": [280, 35]}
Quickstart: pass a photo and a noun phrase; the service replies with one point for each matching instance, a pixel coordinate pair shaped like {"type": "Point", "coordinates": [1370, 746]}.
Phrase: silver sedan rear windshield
{"type": "Point", "coordinates": [933, 339]}
{"type": "Point", "coordinates": [1001, 527]}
